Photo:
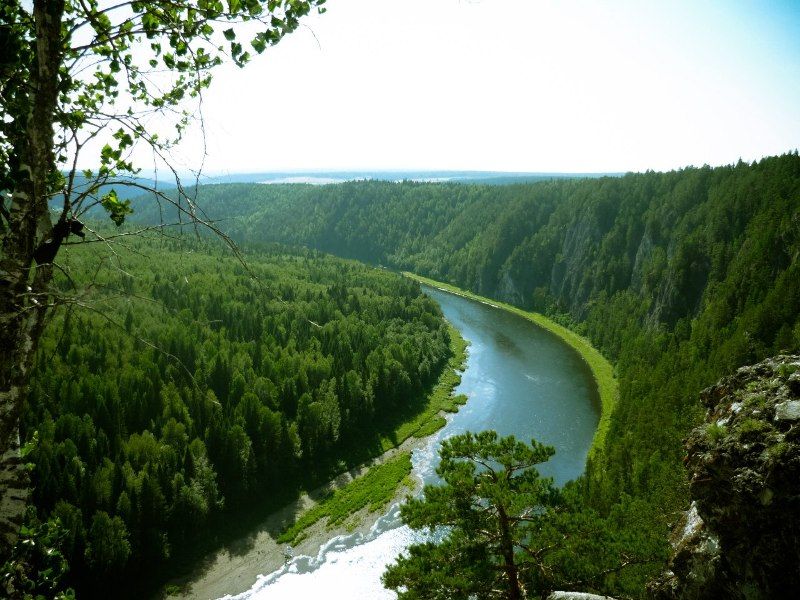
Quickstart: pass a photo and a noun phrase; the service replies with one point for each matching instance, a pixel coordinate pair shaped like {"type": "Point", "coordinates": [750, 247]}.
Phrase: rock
{"type": "Point", "coordinates": [576, 596]}
{"type": "Point", "coordinates": [787, 411]}
{"type": "Point", "coordinates": [794, 382]}
{"type": "Point", "coordinates": [696, 551]}
{"type": "Point", "coordinates": [740, 538]}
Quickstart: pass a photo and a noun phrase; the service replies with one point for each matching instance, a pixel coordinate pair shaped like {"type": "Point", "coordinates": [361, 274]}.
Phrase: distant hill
{"type": "Point", "coordinates": [327, 177]}
{"type": "Point", "coordinates": [146, 207]}
{"type": "Point", "coordinates": [134, 189]}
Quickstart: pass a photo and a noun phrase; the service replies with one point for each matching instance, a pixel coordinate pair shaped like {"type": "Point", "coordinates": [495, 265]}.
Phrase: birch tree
{"type": "Point", "coordinates": [82, 74]}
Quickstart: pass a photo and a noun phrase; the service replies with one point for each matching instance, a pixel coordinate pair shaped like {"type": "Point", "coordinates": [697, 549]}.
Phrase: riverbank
{"type": "Point", "coordinates": [602, 370]}
{"type": "Point", "coordinates": [234, 568]}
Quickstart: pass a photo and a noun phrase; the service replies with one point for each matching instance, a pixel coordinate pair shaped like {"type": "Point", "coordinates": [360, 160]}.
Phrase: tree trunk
{"type": "Point", "coordinates": [507, 552]}
{"type": "Point", "coordinates": [23, 286]}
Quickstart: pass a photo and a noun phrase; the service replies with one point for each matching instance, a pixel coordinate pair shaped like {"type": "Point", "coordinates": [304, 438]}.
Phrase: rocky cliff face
{"type": "Point", "coordinates": [741, 537]}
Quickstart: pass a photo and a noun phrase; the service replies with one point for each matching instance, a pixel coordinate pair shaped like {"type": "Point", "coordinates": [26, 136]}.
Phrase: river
{"type": "Point", "coordinates": [520, 380]}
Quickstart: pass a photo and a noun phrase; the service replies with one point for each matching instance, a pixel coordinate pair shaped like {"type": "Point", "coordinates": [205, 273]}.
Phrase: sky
{"type": "Point", "coordinates": [512, 85]}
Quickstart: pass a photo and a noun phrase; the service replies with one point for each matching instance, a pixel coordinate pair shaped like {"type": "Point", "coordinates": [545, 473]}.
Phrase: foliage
{"type": "Point", "coordinates": [188, 388]}
{"type": "Point", "coordinates": [372, 490]}
{"type": "Point", "coordinates": [381, 481]}
{"type": "Point", "coordinates": [37, 568]}
{"type": "Point", "coordinates": [677, 278]}
{"type": "Point", "coordinates": [500, 531]}
{"type": "Point", "coordinates": [88, 74]}
{"type": "Point", "coordinates": [715, 432]}
{"type": "Point", "coordinates": [431, 427]}
{"type": "Point", "coordinates": [441, 399]}
{"type": "Point", "coordinates": [115, 66]}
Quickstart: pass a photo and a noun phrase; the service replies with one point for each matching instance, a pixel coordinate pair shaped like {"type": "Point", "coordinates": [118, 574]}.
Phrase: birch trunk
{"type": "Point", "coordinates": [24, 286]}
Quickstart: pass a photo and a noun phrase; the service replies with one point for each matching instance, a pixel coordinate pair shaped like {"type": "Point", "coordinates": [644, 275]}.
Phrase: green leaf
{"type": "Point", "coordinates": [259, 44]}
{"type": "Point", "coordinates": [115, 208]}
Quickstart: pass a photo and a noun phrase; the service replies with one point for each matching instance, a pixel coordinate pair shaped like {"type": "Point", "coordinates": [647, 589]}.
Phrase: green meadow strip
{"type": "Point", "coordinates": [378, 485]}
{"type": "Point", "coordinates": [440, 399]}
{"type": "Point", "coordinates": [374, 489]}
{"type": "Point", "coordinates": [602, 370]}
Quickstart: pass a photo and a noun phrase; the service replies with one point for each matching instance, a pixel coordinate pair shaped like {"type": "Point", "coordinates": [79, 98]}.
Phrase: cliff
{"type": "Point", "coordinates": [741, 536]}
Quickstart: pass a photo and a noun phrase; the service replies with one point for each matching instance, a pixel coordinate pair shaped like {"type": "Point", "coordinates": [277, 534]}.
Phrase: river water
{"type": "Point", "coordinates": [520, 380]}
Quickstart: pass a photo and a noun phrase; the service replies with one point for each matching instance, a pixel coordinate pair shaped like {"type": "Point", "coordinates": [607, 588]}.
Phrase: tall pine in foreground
{"type": "Point", "coordinates": [499, 530]}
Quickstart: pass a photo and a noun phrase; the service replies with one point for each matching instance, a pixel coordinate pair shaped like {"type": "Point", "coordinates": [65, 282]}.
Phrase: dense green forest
{"type": "Point", "coordinates": [677, 277]}
{"type": "Point", "coordinates": [184, 386]}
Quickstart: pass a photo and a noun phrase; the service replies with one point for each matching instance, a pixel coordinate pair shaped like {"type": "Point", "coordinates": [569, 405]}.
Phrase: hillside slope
{"type": "Point", "coordinates": [189, 393]}
{"type": "Point", "coordinates": [677, 277]}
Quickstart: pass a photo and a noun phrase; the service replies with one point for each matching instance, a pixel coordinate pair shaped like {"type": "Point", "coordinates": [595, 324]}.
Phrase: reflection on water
{"type": "Point", "coordinates": [507, 344]}
{"type": "Point", "coordinates": [520, 380]}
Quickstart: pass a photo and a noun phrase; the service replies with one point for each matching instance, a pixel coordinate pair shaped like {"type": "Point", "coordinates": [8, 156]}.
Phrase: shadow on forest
{"type": "Point", "coordinates": [236, 534]}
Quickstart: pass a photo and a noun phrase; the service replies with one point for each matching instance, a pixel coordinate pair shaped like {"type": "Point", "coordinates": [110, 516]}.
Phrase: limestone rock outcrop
{"type": "Point", "coordinates": [740, 539]}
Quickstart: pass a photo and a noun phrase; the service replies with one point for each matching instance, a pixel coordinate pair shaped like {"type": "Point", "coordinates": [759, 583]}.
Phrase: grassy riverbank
{"type": "Point", "coordinates": [373, 490]}
{"type": "Point", "coordinates": [441, 398]}
{"type": "Point", "coordinates": [602, 370]}
{"type": "Point", "coordinates": [349, 502]}
{"type": "Point", "coordinates": [380, 483]}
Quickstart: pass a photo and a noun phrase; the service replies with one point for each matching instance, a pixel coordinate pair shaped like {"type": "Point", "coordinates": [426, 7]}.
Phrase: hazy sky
{"type": "Point", "coordinates": [514, 85]}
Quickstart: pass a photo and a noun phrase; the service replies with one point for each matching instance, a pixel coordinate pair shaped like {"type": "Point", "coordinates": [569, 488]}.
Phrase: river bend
{"type": "Point", "coordinates": [520, 380]}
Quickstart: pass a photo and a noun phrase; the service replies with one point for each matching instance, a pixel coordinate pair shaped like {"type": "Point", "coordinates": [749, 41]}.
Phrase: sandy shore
{"type": "Point", "coordinates": [234, 568]}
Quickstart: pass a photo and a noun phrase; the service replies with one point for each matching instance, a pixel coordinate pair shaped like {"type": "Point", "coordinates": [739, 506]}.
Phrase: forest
{"type": "Point", "coordinates": [678, 278]}
{"type": "Point", "coordinates": [186, 383]}
{"type": "Point", "coordinates": [184, 386]}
